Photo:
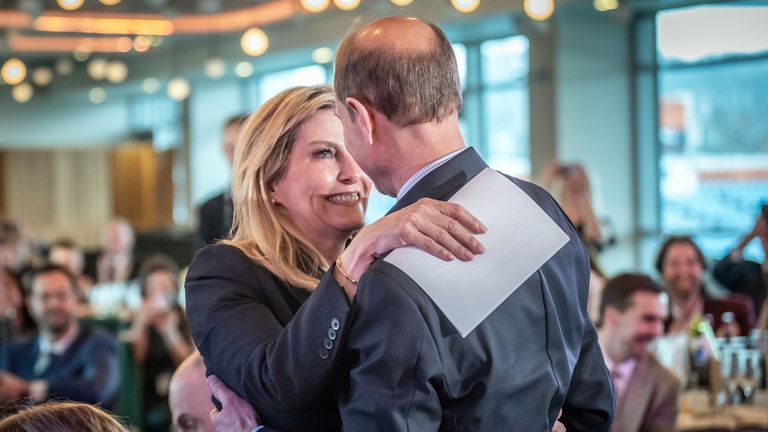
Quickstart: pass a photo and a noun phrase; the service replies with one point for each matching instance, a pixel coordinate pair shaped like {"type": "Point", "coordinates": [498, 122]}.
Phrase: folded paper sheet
{"type": "Point", "coordinates": [521, 237]}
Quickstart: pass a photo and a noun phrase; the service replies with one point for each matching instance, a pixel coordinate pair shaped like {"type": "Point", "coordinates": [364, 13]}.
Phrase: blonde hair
{"type": "Point", "coordinates": [61, 417]}
{"type": "Point", "coordinates": [261, 159]}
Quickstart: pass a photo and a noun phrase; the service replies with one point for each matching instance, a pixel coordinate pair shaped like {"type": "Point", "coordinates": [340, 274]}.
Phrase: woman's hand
{"type": "Point", "coordinates": [443, 229]}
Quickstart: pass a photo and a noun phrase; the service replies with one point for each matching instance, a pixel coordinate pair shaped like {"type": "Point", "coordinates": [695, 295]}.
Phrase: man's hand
{"type": "Point", "coordinates": [12, 388]}
{"type": "Point", "coordinates": [236, 414]}
{"type": "Point", "coordinates": [558, 427]}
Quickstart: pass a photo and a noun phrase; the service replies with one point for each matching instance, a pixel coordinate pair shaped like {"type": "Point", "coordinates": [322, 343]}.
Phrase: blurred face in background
{"type": "Point", "coordinates": [323, 190]}
{"type": "Point", "coordinates": [69, 258]}
{"type": "Point", "coordinates": [639, 325]}
{"type": "Point", "coordinates": [189, 397]}
{"type": "Point", "coordinates": [52, 302]}
{"type": "Point", "coordinates": [682, 270]}
{"type": "Point", "coordinates": [161, 290]}
{"type": "Point", "coordinates": [117, 238]}
{"type": "Point", "coordinates": [10, 295]}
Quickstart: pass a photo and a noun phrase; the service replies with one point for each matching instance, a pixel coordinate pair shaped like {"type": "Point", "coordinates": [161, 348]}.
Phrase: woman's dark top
{"type": "Point", "coordinates": [273, 344]}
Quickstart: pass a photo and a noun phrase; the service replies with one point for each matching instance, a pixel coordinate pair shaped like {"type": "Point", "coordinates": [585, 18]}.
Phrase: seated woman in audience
{"type": "Point", "coordinates": [681, 266]}
{"type": "Point", "coordinates": [15, 321]}
{"type": "Point", "coordinates": [61, 417]}
{"type": "Point", "coordinates": [268, 308]}
{"type": "Point", "coordinates": [159, 337]}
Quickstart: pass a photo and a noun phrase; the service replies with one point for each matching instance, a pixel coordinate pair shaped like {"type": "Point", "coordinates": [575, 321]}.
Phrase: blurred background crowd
{"type": "Point", "coordinates": [645, 120]}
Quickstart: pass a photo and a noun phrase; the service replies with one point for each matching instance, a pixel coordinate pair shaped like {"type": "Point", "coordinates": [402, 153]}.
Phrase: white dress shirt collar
{"type": "Point", "coordinates": [426, 170]}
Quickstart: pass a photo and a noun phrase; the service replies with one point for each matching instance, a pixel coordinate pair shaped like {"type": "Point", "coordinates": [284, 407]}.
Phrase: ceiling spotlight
{"type": "Point", "coordinates": [346, 4]}
{"type": "Point", "coordinates": [109, 2]}
{"type": "Point", "coordinates": [315, 6]}
{"type": "Point", "coordinates": [117, 71]}
{"type": "Point", "coordinates": [13, 71]}
{"type": "Point", "coordinates": [124, 44]}
{"type": "Point", "coordinates": [42, 76]}
{"type": "Point", "coordinates": [178, 89]}
{"type": "Point", "coordinates": [539, 10]}
{"type": "Point", "coordinates": [244, 69]}
{"type": "Point", "coordinates": [322, 55]}
{"type": "Point", "coordinates": [401, 2]}
{"type": "Point", "coordinates": [150, 85]}
{"type": "Point", "coordinates": [465, 6]}
{"type": "Point", "coordinates": [22, 93]}
{"type": "Point", "coordinates": [97, 69]}
{"type": "Point", "coordinates": [81, 54]}
{"type": "Point", "coordinates": [97, 95]}
{"type": "Point", "coordinates": [64, 66]}
{"type": "Point", "coordinates": [215, 68]}
{"type": "Point", "coordinates": [605, 5]}
{"type": "Point", "coordinates": [254, 42]}
{"type": "Point", "coordinates": [142, 43]}
{"type": "Point", "coordinates": [70, 5]}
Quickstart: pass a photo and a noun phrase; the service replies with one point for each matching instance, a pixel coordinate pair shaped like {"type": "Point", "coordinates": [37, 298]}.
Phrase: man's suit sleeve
{"type": "Point", "coordinates": [100, 379]}
{"type": "Point", "coordinates": [662, 415]}
{"type": "Point", "coordinates": [589, 403]}
{"type": "Point", "coordinates": [389, 388]}
{"type": "Point", "coordinates": [242, 342]}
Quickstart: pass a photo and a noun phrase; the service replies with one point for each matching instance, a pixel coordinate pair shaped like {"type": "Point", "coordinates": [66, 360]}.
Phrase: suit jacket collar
{"type": "Point", "coordinates": [632, 407]}
{"type": "Point", "coordinates": [445, 180]}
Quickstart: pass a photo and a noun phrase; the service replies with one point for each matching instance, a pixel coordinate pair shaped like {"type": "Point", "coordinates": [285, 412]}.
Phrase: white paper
{"type": "Point", "coordinates": [521, 237]}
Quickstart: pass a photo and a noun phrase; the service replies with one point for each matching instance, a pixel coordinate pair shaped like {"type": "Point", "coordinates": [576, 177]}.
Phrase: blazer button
{"type": "Point", "coordinates": [331, 334]}
{"type": "Point", "coordinates": [323, 353]}
{"type": "Point", "coordinates": [335, 324]}
{"type": "Point", "coordinates": [328, 344]}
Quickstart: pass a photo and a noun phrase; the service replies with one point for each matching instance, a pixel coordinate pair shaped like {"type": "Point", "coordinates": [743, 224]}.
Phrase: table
{"type": "Point", "coordinates": [697, 414]}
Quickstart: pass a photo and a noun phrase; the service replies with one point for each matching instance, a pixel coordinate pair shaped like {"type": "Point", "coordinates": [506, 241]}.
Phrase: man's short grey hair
{"type": "Point", "coordinates": [407, 87]}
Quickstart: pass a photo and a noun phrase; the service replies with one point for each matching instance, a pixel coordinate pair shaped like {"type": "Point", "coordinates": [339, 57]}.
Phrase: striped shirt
{"type": "Point", "coordinates": [426, 170]}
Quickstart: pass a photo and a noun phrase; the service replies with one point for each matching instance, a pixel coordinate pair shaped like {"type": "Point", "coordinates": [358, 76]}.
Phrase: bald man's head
{"type": "Point", "coordinates": [402, 67]}
{"type": "Point", "coordinates": [189, 397]}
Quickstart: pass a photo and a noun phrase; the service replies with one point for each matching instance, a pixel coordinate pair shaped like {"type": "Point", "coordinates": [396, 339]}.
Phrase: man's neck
{"type": "Point", "coordinates": [53, 337]}
{"type": "Point", "coordinates": [608, 345]}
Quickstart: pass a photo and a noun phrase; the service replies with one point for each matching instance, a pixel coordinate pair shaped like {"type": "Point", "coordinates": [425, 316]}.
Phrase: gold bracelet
{"type": "Point", "coordinates": [340, 268]}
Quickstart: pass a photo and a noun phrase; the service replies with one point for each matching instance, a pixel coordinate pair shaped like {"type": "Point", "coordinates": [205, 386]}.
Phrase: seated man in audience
{"type": "Point", "coordinates": [190, 398]}
{"type": "Point", "coordinates": [116, 269]}
{"type": "Point", "coordinates": [65, 253]}
{"type": "Point", "coordinates": [745, 277]}
{"type": "Point", "coordinates": [63, 361]}
{"type": "Point", "coordinates": [633, 309]}
{"type": "Point", "coordinates": [681, 265]}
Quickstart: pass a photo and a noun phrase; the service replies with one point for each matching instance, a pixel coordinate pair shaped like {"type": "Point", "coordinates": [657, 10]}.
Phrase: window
{"type": "Point", "coordinates": [273, 83]}
{"type": "Point", "coordinates": [713, 133]}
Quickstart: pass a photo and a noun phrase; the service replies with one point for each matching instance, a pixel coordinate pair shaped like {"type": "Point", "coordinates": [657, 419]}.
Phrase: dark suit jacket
{"type": "Point", "coordinates": [535, 354]}
{"type": "Point", "coordinates": [254, 333]}
{"type": "Point", "coordinates": [215, 219]}
{"type": "Point", "coordinates": [650, 401]}
{"type": "Point", "coordinates": [86, 372]}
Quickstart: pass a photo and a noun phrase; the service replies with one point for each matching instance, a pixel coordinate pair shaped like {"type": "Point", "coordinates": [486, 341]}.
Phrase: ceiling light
{"type": "Point", "coordinates": [605, 5]}
{"type": "Point", "coordinates": [97, 69]}
{"type": "Point", "coordinates": [150, 85]}
{"type": "Point", "coordinates": [401, 2]}
{"type": "Point", "coordinates": [539, 10]}
{"type": "Point", "coordinates": [70, 5]}
{"type": "Point", "coordinates": [22, 93]}
{"type": "Point", "coordinates": [215, 68]}
{"type": "Point", "coordinates": [244, 69]}
{"type": "Point", "coordinates": [315, 6]}
{"type": "Point", "coordinates": [178, 89]}
{"type": "Point", "coordinates": [97, 95]}
{"type": "Point", "coordinates": [322, 55]}
{"type": "Point", "coordinates": [13, 71]}
{"type": "Point", "coordinates": [109, 2]}
{"type": "Point", "coordinates": [42, 76]}
{"type": "Point", "coordinates": [465, 6]}
{"type": "Point", "coordinates": [117, 71]}
{"type": "Point", "coordinates": [142, 43]}
{"type": "Point", "coordinates": [254, 42]}
{"type": "Point", "coordinates": [64, 66]}
{"type": "Point", "coordinates": [346, 4]}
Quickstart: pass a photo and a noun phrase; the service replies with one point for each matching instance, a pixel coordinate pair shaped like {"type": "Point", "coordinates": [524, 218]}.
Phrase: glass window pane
{"type": "Point", "coordinates": [710, 32]}
{"type": "Point", "coordinates": [507, 123]}
{"type": "Point", "coordinates": [273, 83]}
{"type": "Point", "coordinates": [714, 151]}
{"type": "Point", "coordinates": [504, 60]}
{"type": "Point", "coordinates": [461, 62]}
{"type": "Point", "coordinates": [378, 206]}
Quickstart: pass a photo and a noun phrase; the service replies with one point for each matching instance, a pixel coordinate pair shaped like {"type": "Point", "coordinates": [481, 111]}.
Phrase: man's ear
{"type": "Point", "coordinates": [363, 118]}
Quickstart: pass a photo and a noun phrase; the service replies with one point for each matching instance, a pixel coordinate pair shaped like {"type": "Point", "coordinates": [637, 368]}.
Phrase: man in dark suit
{"type": "Point", "coordinates": [63, 360]}
{"type": "Point", "coordinates": [215, 215]}
{"type": "Point", "coordinates": [633, 311]}
{"type": "Point", "coordinates": [409, 368]}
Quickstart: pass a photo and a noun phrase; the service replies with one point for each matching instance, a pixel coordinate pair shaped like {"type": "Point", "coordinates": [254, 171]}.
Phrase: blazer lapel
{"type": "Point", "coordinates": [636, 398]}
{"type": "Point", "coordinates": [445, 180]}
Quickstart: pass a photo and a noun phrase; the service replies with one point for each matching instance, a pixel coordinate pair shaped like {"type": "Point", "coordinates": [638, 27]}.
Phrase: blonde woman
{"type": "Point", "coordinates": [268, 308]}
{"type": "Point", "coordinates": [61, 417]}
